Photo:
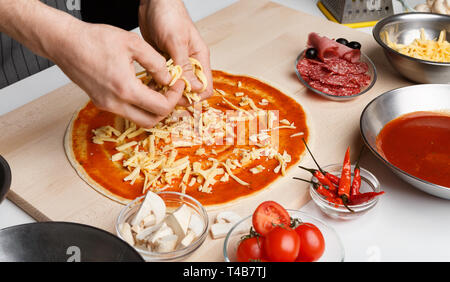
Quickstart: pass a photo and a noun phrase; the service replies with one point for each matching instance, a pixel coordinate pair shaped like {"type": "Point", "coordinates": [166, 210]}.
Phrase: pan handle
{"type": "Point", "coordinates": [5, 178]}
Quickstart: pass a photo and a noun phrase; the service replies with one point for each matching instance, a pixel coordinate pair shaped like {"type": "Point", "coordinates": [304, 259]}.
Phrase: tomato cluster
{"type": "Point", "coordinates": [277, 238]}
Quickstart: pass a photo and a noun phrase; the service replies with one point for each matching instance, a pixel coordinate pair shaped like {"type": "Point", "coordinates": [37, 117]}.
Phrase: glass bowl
{"type": "Point", "coordinates": [334, 250]}
{"type": "Point", "coordinates": [173, 200]}
{"type": "Point", "coordinates": [372, 72]}
{"type": "Point", "coordinates": [369, 183]}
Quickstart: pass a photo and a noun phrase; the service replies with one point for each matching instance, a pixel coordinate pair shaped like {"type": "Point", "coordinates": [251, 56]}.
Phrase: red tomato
{"type": "Point", "coordinates": [268, 214]}
{"type": "Point", "coordinates": [312, 242]}
{"type": "Point", "coordinates": [281, 244]}
{"type": "Point", "coordinates": [250, 249]}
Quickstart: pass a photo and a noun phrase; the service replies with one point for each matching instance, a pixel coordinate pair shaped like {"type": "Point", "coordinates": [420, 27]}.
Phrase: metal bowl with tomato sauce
{"type": "Point", "coordinates": [334, 250]}
{"type": "Point", "coordinates": [394, 104]}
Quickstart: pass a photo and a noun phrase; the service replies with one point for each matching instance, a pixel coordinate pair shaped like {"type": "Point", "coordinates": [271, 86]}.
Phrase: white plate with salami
{"type": "Point", "coordinates": [333, 70]}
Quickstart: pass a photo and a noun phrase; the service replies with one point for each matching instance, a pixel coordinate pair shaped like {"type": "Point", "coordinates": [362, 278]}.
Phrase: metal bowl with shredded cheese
{"type": "Point", "coordinates": [416, 45]}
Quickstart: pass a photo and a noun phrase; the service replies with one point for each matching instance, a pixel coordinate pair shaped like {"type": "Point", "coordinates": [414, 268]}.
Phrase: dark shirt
{"type": "Point", "coordinates": [120, 13]}
{"type": "Point", "coordinates": [18, 62]}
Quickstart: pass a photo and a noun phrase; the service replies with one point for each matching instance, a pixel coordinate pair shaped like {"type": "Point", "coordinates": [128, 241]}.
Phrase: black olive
{"type": "Point", "coordinates": [343, 41]}
{"type": "Point", "coordinates": [311, 53]}
{"type": "Point", "coordinates": [354, 45]}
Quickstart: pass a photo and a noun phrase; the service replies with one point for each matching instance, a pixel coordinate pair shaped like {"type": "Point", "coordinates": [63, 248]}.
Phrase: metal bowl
{"type": "Point", "coordinates": [5, 178]}
{"type": "Point", "coordinates": [397, 102]}
{"type": "Point", "coordinates": [403, 29]}
{"type": "Point", "coordinates": [61, 242]}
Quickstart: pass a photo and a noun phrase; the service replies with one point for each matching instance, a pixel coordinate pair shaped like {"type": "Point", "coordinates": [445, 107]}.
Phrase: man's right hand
{"type": "Point", "coordinates": [99, 58]}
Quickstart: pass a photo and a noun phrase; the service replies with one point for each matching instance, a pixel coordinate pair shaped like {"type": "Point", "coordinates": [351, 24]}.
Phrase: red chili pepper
{"type": "Point", "coordinates": [336, 201]}
{"type": "Point", "coordinates": [346, 177]}
{"type": "Point", "coordinates": [356, 184]}
{"type": "Point", "coordinates": [322, 179]}
{"type": "Point", "coordinates": [333, 178]}
{"type": "Point", "coordinates": [319, 188]}
{"type": "Point", "coordinates": [324, 192]}
{"type": "Point", "coordinates": [364, 197]}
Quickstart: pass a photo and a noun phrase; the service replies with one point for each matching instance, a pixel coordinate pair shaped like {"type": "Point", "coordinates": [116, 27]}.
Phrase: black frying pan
{"type": "Point", "coordinates": [5, 178]}
{"type": "Point", "coordinates": [61, 242]}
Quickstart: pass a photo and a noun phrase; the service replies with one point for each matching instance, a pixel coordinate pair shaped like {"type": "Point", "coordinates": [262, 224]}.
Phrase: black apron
{"type": "Point", "coordinates": [18, 62]}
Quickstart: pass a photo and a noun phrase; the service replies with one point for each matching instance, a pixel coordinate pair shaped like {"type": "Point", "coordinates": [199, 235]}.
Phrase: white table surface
{"type": "Point", "coordinates": [406, 225]}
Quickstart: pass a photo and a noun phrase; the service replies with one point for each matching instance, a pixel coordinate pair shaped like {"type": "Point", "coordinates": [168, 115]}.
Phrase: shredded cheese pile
{"type": "Point", "coordinates": [423, 48]}
{"type": "Point", "coordinates": [152, 154]}
{"type": "Point", "coordinates": [177, 73]}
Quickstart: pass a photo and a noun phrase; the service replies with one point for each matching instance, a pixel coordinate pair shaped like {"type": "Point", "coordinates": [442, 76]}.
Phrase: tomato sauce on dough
{"type": "Point", "coordinates": [96, 161]}
{"type": "Point", "coordinates": [419, 144]}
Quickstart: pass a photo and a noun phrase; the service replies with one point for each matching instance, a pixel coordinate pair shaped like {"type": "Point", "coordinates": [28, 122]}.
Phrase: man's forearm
{"type": "Point", "coordinates": [35, 25]}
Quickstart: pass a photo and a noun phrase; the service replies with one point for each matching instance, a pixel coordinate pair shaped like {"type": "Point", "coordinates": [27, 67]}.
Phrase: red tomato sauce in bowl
{"type": "Point", "coordinates": [419, 144]}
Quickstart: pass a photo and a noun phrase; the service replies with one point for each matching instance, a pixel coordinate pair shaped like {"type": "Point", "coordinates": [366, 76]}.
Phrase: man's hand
{"type": "Point", "coordinates": [167, 26]}
{"type": "Point", "coordinates": [99, 58]}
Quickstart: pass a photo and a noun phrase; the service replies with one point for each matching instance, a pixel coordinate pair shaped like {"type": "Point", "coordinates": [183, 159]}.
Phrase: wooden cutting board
{"type": "Point", "coordinates": [252, 37]}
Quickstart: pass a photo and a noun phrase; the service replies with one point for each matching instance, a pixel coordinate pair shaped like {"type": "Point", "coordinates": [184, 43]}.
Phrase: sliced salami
{"type": "Point", "coordinates": [334, 76]}
{"type": "Point", "coordinates": [334, 90]}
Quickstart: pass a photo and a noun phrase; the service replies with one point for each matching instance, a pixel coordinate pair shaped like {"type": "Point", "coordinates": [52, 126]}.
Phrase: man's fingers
{"type": "Point", "coordinates": [175, 93]}
{"type": "Point", "coordinates": [152, 101]}
{"type": "Point", "coordinates": [130, 112]}
{"type": "Point", "coordinates": [183, 102]}
{"type": "Point", "coordinates": [138, 116]}
{"type": "Point", "coordinates": [203, 58]}
{"type": "Point", "coordinates": [152, 61]}
{"type": "Point", "coordinates": [148, 107]}
{"type": "Point", "coordinates": [180, 56]}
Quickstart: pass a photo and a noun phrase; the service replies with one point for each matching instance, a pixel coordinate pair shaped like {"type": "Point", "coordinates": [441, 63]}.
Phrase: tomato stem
{"type": "Point", "coordinates": [295, 222]}
{"type": "Point", "coordinates": [252, 233]}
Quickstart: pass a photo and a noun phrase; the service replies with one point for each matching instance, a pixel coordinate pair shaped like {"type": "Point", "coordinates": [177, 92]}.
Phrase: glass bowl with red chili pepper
{"type": "Point", "coordinates": [363, 196]}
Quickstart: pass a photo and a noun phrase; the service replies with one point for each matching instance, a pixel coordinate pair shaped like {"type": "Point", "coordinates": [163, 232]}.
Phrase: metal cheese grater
{"type": "Point", "coordinates": [356, 13]}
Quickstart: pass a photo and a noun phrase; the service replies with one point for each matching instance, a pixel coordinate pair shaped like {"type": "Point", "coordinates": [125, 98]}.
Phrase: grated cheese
{"type": "Point", "coordinates": [221, 92]}
{"type": "Point", "coordinates": [155, 157]}
{"type": "Point", "coordinates": [257, 169]}
{"type": "Point", "coordinates": [437, 50]}
{"type": "Point", "coordinates": [264, 102]}
{"type": "Point", "coordinates": [126, 146]}
{"type": "Point", "coordinates": [297, 134]}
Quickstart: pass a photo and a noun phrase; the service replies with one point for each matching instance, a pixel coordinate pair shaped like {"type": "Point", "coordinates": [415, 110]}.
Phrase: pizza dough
{"type": "Point", "coordinates": [240, 168]}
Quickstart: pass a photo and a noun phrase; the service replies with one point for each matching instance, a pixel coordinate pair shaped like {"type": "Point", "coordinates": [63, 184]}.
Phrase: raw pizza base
{"type": "Point", "coordinates": [68, 147]}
